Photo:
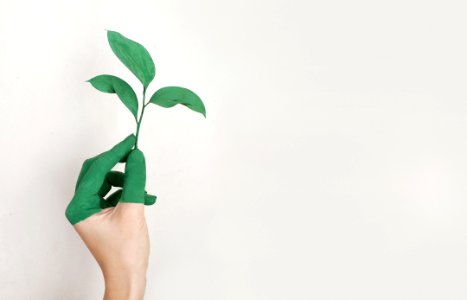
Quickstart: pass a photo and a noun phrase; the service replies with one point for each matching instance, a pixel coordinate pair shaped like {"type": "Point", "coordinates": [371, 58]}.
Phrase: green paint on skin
{"type": "Point", "coordinates": [96, 179]}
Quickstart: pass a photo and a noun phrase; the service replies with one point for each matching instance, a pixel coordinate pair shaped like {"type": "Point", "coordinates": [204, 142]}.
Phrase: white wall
{"type": "Point", "coordinates": [332, 164]}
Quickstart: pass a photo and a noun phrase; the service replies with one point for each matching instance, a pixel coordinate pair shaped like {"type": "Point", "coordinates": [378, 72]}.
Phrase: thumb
{"type": "Point", "coordinates": [135, 178]}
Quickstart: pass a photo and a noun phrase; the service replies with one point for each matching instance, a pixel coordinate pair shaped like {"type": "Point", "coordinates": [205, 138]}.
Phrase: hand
{"type": "Point", "coordinates": [114, 228]}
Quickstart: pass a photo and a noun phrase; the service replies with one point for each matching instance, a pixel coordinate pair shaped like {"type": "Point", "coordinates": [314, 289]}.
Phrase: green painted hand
{"type": "Point", "coordinates": [97, 178]}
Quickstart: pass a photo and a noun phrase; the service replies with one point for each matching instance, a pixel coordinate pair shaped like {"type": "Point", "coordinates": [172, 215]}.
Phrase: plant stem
{"type": "Point", "coordinates": [138, 123]}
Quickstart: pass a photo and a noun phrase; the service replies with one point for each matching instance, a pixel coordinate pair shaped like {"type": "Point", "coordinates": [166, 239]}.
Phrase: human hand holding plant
{"type": "Point", "coordinates": [137, 59]}
{"type": "Point", "coordinates": [114, 227]}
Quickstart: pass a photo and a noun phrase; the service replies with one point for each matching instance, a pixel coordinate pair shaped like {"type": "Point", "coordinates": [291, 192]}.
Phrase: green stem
{"type": "Point", "coordinates": [138, 122]}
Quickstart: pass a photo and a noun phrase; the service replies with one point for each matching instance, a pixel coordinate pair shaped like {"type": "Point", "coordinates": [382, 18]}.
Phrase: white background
{"type": "Point", "coordinates": [332, 163]}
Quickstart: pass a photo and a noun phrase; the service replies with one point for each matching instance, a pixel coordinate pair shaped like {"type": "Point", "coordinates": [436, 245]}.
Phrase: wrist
{"type": "Point", "coordinates": [124, 286]}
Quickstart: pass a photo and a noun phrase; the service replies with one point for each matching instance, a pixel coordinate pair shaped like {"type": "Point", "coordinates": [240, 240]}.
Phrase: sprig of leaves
{"type": "Point", "coordinates": [138, 60]}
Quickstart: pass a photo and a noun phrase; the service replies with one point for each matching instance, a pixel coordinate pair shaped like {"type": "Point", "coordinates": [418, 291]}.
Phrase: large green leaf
{"type": "Point", "coordinates": [134, 56]}
{"type": "Point", "coordinates": [113, 84]}
{"type": "Point", "coordinates": [172, 95]}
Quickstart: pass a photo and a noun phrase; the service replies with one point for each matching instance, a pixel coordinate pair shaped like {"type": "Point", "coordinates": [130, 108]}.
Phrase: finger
{"type": "Point", "coordinates": [135, 178]}
{"type": "Point", "coordinates": [86, 164]}
{"type": "Point", "coordinates": [114, 198]}
{"type": "Point", "coordinates": [104, 204]}
{"type": "Point", "coordinates": [110, 158]}
{"type": "Point", "coordinates": [123, 159]}
{"type": "Point", "coordinates": [115, 178]}
{"type": "Point", "coordinates": [105, 188]}
{"type": "Point", "coordinates": [102, 164]}
{"type": "Point", "coordinates": [149, 199]}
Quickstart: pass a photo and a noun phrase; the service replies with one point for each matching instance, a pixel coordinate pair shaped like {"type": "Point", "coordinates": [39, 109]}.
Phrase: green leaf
{"type": "Point", "coordinates": [134, 56]}
{"type": "Point", "coordinates": [172, 95]}
{"type": "Point", "coordinates": [113, 84]}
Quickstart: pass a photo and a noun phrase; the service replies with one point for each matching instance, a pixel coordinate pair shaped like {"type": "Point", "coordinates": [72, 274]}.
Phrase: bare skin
{"type": "Point", "coordinates": [118, 239]}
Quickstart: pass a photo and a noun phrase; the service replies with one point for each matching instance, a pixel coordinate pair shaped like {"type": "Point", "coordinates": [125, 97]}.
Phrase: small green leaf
{"type": "Point", "coordinates": [134, 56]}
{"type": "Point", "coordinates": [113, 84]}
{"type": "Point", "coordinates": [172, 95]}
